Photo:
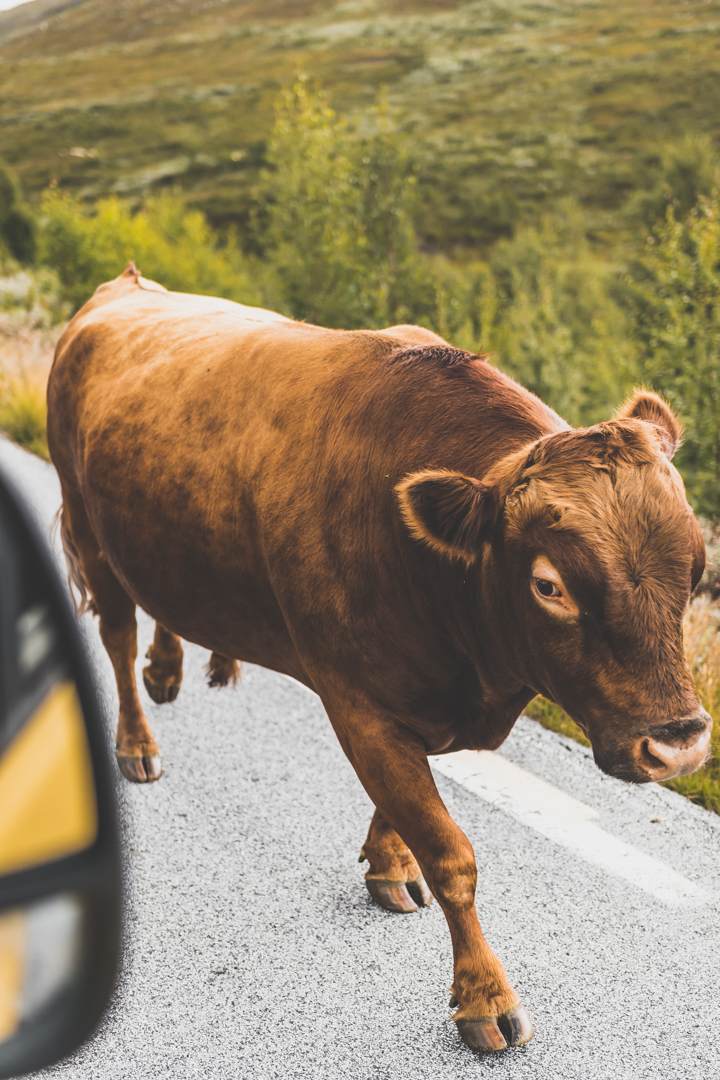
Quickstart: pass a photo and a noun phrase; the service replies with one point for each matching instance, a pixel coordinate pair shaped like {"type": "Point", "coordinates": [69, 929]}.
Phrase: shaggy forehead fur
{"type": "Point", "coordinates": [614, 508]}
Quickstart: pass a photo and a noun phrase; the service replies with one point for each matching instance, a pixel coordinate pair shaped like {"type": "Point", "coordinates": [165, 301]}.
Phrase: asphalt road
{"type": "Point", "coordinates": [253, 949]}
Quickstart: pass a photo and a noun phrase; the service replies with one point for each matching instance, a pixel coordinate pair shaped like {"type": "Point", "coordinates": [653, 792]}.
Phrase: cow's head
{"type": "Point", "coordinates": [587, 553]}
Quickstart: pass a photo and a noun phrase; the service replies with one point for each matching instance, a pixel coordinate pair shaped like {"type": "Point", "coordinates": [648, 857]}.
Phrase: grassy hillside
{"type": "Point", "coordinates": [510, 106]}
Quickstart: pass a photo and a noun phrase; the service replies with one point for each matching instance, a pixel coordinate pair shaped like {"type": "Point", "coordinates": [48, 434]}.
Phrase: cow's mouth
{"type": "Point", "coordinates": [650, 760]}
{"type": "Point", "coordinates": [621, 765]}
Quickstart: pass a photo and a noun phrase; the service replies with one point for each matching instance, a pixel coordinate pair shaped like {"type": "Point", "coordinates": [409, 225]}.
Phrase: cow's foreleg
{"type": "Point", "coordinates": [393, 768]}
{"type": "Point", "coordinates": [393, 878]}
{"type": "Point", "coordinates": [136, 750]}
{"type": "Point", "coordinates": [163, 675]}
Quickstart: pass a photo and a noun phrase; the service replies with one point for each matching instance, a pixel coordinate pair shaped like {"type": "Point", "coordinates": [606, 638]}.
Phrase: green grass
{"type": "Point", "coordinates": [552, 717]}
{"type": "Point", "coordinates": [155, 95]}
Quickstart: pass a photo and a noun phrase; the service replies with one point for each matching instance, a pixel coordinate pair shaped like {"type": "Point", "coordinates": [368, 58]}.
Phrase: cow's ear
{"type": "Point", "coordinates": [447, 510]}
{"type": "Point", "coordinates": [644, 405]}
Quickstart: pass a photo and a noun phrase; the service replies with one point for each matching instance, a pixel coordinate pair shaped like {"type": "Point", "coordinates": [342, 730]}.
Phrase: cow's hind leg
{"type": "Point", "coordinates": [136, 750]}
{"type": "Point", "coordinates": [163, 675]}
{"type": "Point", "coordinates": [393, 879]}
{"type": "Point", "coordinates": [222, 670]}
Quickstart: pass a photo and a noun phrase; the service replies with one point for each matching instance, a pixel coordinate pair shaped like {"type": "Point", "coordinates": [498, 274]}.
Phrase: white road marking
{"type": "Point", "coordinates": [565, 821]}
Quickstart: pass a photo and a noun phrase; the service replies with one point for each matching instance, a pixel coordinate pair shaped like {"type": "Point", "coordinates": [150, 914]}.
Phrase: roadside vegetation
{"type": "Point", "coordinates": [509, 108]}
{"type": "Point", "coordinates": [32, 314]}
{"type": "Point", "coordinates": [171, 243]}
{"type": "Point", "coordinates": [336, 230]}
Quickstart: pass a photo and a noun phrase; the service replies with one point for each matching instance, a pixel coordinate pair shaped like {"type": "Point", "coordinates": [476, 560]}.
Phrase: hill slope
{"type": "Point", "coordinates": [511, 105]}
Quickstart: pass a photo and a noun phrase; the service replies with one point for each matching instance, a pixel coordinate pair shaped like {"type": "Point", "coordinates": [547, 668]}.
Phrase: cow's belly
{"type": "Point", "coordinates": [231, 611]}
{"type": "Point", "coordinates": [178, 529]}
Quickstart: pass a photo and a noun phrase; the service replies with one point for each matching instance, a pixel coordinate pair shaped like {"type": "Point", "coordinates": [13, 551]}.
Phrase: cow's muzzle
{"type": "Point", "coordinates": [675, 749]}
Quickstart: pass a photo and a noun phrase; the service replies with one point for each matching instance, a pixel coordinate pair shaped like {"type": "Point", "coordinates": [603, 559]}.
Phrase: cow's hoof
{"type": "Point", "coordinates": [419, 891]}
{"type": "Point", "coordinates": [140, 770]}
{"type": "Point", "coordinates": [403, 896]}
{"type": "Point", "coordinates": [512, 1028]}
{"type": "Point", "coordinates": [161, 694]}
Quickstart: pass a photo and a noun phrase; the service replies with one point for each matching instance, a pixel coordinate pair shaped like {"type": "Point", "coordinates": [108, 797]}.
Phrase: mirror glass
{"type": "Point", "coordinates": [39, 955]}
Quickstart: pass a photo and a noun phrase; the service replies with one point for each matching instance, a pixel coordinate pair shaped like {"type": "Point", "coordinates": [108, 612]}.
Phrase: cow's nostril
{"type": "Point", "coordinates": [650, 760]}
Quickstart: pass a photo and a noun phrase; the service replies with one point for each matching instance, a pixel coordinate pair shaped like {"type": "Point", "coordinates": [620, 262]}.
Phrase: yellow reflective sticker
{"type": "Point", "coordinates": [12, 970]}
{"type": "Point", "coordinates": [48, 807]}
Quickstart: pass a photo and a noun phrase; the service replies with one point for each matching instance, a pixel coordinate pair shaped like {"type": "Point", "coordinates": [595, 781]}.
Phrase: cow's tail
{"type": "Point", "coordinates": [76, 576]}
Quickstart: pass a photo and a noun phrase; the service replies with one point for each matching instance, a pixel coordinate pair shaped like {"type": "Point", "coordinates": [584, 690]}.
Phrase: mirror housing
{"type": "Point", "coordinates": [60, 879]}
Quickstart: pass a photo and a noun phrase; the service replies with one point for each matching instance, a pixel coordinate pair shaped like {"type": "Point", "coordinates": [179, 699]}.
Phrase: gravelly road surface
{"type": "Point", "coordinates": [253, 950]}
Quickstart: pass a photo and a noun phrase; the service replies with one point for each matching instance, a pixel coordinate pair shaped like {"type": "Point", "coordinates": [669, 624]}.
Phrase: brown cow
{"type": "Point", "coordinates": [399, 526]}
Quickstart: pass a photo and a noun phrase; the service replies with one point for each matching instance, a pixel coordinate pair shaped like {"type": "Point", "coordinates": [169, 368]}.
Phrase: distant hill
{"type": "Point", "coordinates": [26, 15]}
{"type": "Point", "coordinates": [510, 105]}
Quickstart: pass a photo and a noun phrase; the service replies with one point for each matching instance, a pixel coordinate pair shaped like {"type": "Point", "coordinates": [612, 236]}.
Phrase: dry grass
{"type": "Point", "coordinates": [23, 413]}
{"type": "Point", "coordinates": [26, 353]}
{"type": "Point", "coordinates": [702, 647]}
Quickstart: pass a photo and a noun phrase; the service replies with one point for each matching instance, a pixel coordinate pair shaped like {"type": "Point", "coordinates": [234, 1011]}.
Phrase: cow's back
{"type": "Point", "coordinates": [238, 467]}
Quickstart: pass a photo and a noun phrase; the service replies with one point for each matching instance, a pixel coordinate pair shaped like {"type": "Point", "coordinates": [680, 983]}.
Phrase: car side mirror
{"type": "Point", "coordinates": [60, 883]}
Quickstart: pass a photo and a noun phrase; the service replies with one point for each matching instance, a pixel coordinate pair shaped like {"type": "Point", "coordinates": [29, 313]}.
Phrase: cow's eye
{"type": "Point", "coordinates": [546, 588]}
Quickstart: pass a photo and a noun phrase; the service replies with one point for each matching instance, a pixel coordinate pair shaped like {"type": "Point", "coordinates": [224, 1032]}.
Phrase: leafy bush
{"type": "Point", "coordinates": [335, 221]}
{"type": "Point", "coordinates": [674, 295]}
{"type": "Point", "coordinates": [334, 217]}
{"type": "Point", "coordinates": [552, 324]}
{"type": "Point", "coordinates": [30, 313]}
{"type": "Point", "coordinates": [17, 224]}
{"type": "Point", "coordinates": [167, 241]}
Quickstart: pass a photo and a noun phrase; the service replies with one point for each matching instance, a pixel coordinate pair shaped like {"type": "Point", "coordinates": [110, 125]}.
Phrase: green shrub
{"type": "Point", "coordinates": [17, 224]}
{"type": "Point", "coordinates": [551, 323]}
{"type": "Point", "coordinates": [334, 217]}
{"type": "Point", "coordinates": [674, 296]}
{"type": "Point", "coordinates": [167, 241]}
